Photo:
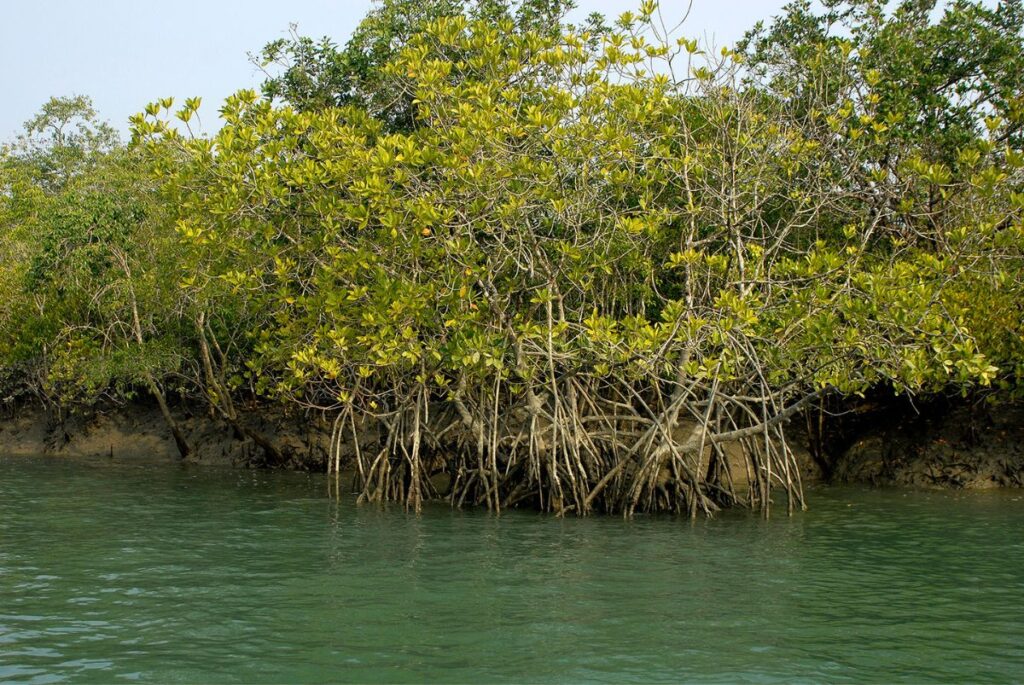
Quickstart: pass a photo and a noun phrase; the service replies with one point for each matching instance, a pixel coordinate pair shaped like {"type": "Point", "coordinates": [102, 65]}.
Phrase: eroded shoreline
{"type": "Point", "coordinates": [948, 447]}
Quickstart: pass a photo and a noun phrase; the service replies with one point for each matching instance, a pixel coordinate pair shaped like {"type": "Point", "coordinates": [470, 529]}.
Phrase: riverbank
{"type": "Point", "coordinates": [137, 433]}
{"type": "Point", "coordinates": [941, 444]}
{"type": "Point", "coordinates": [937, 445]}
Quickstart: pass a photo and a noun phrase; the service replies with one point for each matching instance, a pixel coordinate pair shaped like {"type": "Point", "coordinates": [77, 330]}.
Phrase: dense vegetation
{"type": "Point", "coordinates": [575, 267]}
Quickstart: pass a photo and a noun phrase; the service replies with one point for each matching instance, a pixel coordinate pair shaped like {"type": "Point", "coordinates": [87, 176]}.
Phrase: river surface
{"type": "Point", "coordinates": [166, 574]}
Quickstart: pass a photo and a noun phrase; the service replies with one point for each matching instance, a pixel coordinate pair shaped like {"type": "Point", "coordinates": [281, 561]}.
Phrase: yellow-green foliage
{"type": "Point", "coordinates": [582, 243]}
{"type": "Point", "coordinates": [565, 202]}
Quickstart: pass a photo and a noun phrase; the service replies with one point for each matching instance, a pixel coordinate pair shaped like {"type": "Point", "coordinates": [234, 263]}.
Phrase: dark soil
{"type": "Point", "coordinates": [942, 443]}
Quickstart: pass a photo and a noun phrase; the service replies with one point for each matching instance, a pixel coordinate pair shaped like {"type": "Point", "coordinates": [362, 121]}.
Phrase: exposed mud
{"type": "Point", "coordinates": [943, 444]}
{"type": "Point", "coordinates": [137, 433]}
{"type": "Point", "coordinates": [948, 445]}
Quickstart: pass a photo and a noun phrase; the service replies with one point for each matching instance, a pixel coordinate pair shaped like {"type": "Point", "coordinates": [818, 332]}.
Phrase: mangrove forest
{"type": "Point", "coordinates": [508, 260]}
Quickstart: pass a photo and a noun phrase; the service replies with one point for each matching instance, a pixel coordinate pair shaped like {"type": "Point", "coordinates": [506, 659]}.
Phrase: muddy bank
{"type": "Point", "coordinates": [943, 443]}
{"type": "Point", "coordinates": [939, 444]}
{"type": "Point", "coordinates": [137, 433]}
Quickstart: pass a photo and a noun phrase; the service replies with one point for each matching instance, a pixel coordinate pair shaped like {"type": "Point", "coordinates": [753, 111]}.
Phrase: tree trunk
{"type": "Point", "coordinates": [184, 449]}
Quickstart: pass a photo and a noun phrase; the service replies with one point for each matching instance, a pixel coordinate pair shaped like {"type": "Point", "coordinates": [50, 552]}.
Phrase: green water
{"type": "Point", "coordinates": [161, 574]}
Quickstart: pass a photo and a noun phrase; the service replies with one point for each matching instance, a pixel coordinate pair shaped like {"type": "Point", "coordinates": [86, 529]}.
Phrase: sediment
{"type": "Point", "coordinates": [940, 444]}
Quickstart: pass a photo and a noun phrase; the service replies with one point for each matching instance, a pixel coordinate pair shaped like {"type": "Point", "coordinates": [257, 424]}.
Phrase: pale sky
{"type": "Point", "coordinates": [125, 53]}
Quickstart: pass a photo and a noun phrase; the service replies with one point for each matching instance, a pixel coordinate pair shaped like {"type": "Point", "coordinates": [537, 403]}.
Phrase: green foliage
{"type": "Point", "coordinates": [313, 74]}
{"type": "Point", "coordinates": [64, 140]}
{"type": "Point", "coordinates": [559, 245]}
{"type": "Point", "coordinates": [554, 169]}
{"type": "Point", "coordinates": [924, 73]}
{"type": "Point", "coordinates": [91, 279]}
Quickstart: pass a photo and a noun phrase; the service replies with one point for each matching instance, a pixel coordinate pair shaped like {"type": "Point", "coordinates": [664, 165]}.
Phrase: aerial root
{"type": "Point", "coordinates": [569, 452]}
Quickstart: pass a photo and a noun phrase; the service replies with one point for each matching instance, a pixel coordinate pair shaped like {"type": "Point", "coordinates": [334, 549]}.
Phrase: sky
{"type": "Point", "coordinates": [126, 53]}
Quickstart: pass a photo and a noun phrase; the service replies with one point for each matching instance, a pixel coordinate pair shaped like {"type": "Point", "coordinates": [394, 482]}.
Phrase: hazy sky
{"type": "Point", "coordinates": [125, 53]}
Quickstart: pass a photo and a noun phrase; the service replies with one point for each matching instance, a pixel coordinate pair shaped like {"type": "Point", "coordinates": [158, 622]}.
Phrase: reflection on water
{"type": "Point", "coordinates": [199, 575]}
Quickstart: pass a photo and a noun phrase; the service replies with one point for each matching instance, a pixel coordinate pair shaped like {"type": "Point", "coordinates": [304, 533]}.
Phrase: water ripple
{"type": "Point", "coordinates": [178, 575]}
